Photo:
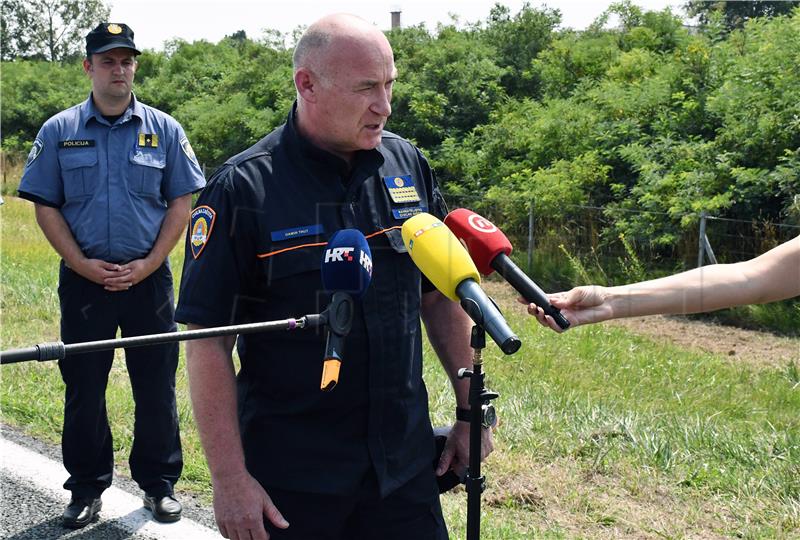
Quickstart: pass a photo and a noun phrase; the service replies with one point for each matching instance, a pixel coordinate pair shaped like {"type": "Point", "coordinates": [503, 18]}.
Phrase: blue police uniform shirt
{"type": "Point", "coordinates": [112, 183]}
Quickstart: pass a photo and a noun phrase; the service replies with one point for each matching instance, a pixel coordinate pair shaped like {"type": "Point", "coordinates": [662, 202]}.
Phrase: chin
{"type": "Point", "coordinates": [371, 143]}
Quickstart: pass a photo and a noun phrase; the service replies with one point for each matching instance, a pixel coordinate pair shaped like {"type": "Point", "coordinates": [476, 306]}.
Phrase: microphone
{"type": "Point", "coordinates": [346, 271]}
{"type": "Point", "coordinates": [445, 262]}
{"type": "Point", "coordinates": [490, 250]}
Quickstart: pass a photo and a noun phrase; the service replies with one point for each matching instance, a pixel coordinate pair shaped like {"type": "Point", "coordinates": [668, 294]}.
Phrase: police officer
{"type": "Point", "coordinates": [299, 463]}
{"type": "Point", "coordinates": [111, 180]}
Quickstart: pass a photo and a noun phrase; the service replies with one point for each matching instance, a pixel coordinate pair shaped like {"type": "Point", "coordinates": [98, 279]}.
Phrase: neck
{"type": "Point", "coordinates": [304, 126]}
{"type": "Point", "coordinates": [111, 106]}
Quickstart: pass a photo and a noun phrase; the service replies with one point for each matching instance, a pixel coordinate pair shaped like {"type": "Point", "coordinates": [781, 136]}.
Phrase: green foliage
{"type": "Point", "coordinates": [575, 58]}
{"type": "Point", "coordinates": [518, 40]}
{"type": "Point", "coordinates": [53, 30]}
{"type": "Point", "coordinates": [635, 114]}
{"type": "Point", "coordinates": [758, 102]}
{"type": "Point", "coordinates": [33, 92]}
{"type": "Point", "coordinates": [565, 183]}
{"type": "Point", "coordinates": [448, 86]}
{"type": "Point", "coordinates": [734, 14]}
{"type": "Point", "coordinates": [226, 95]}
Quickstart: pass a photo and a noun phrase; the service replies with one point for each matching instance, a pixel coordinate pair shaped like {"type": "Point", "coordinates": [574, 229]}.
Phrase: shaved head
{"type": "Point", "coordinates": [331, 33]}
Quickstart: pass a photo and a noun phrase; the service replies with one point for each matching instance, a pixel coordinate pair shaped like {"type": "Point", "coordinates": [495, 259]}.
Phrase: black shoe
{"type": "Point", "coordinates": [80, 512]}
{"type": "Point", "coordinates": [165, 509]}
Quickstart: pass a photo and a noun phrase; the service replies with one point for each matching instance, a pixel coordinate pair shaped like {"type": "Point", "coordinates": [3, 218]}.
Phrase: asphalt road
{"type": "Point", "coordinates": [32, 500]}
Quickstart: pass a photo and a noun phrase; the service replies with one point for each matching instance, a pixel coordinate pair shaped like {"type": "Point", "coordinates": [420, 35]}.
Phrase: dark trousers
{"type": "Point", "coordinates": [90, 313]}
{"type": "Point", "coordinates": [413, 511]}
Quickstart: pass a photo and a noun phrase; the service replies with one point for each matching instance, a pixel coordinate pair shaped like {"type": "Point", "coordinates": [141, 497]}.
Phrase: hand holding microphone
{"type": "Point", "coordinates": [346, 271]}
{"type": "Point", "coordinates": [443, 260]}
{"type": "Point", "coordinates": [490, 249]}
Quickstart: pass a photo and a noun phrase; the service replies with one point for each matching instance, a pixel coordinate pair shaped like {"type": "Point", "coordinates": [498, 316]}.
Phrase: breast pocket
{"type": "Point", "coordinates": [291, 280]}
{"type": "Point", "coordinates": [78, 172]}
{"type": "Point", "coordinates": [146, 172]}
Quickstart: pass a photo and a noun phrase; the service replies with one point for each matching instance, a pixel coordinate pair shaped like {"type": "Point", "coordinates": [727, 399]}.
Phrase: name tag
{"type": "Point", "coordinates": [297, 232]}
{"type": "Point", "coordinates": [76, 143]}
{"type": "Point", "coordinates": [405, 213]}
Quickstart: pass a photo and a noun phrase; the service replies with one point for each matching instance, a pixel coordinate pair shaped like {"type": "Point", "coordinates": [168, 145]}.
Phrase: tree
{"type": "Point", "coordinates": [736, 14]}
{"type": "Point", "coordinates": [518, 41]}
{"type": "Point", "coordinates": [53, 30]}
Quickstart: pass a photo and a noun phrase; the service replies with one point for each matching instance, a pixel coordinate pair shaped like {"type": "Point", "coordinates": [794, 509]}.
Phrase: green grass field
{"type": "Point", "coordinates": [603, 434]}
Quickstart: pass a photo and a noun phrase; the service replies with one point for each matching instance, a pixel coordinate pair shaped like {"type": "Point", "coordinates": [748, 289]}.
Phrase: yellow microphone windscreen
{"type": "Point", "coordinates": [438, 253]}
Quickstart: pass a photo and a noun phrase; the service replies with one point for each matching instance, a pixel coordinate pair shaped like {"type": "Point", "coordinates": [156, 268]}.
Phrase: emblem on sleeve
{"type": "Point", "coordinates": [36, 149]}
{"type": "Point", "coordinates": [187, 149]}
{"type": "Point", "coordinates": [201, 224]}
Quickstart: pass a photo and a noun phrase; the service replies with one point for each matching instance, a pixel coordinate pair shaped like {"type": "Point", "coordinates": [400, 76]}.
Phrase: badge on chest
{"type": "Point", "coordinates": [401, 189]}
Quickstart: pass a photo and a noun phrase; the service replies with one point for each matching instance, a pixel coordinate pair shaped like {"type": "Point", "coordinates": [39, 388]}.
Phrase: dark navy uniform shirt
{"type": "Point", "coordinates": [253, 254]}
{"type": "Point", "coordinates": [112, 183]}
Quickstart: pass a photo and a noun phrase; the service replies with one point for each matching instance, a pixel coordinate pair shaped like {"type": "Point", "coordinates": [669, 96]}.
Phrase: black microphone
{"type": "Point", "coordinates": [346, 271]}
{"type": "Point", "coordinates": [490, 249]}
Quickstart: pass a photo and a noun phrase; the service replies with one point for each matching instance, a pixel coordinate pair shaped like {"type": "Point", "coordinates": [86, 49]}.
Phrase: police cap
{"type": "Point", "coordinates": [107, 36]}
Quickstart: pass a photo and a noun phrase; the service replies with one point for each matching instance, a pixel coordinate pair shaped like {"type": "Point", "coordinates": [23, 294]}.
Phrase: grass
{"type": "Point", "coordinates": [603, 434]}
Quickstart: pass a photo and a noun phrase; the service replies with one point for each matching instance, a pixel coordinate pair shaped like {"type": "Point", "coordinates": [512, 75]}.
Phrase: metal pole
{"type": "Point", "coordinates": [57, 350]}
{"type": "Point", "coordinates": [530, 239]}
{"type": "Point", "coordinates": [702, 245]}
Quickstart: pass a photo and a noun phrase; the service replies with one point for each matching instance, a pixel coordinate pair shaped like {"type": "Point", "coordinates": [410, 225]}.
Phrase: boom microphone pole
{"type": "Point", "coordinates": [57, 350]}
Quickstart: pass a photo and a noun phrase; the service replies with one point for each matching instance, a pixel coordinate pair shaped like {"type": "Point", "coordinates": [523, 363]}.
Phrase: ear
{"type": "Point", "coordinates": [87, 66]}
{"type": "Point", "coordinates": [305, 82]}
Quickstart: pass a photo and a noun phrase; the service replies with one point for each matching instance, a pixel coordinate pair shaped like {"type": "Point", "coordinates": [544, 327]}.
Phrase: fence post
{"type": "Point", "coordinates": [704, 249]}
{"type": "Point", "coordinates": [701, 250]}
{"type": "Point", "coordinates": [530, 239]}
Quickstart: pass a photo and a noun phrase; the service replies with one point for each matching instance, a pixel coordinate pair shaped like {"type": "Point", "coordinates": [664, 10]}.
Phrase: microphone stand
{"type": "Point", "coordinates": [479, 397]}
{"type": "Point", "coordinates": [57, 350]}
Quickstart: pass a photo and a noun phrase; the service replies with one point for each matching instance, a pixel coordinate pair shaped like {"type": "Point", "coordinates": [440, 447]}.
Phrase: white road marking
{"type": "Point", "coordinates": [125, 510]}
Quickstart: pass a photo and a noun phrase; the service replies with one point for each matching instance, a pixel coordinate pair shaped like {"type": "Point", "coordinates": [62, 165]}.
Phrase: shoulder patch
{"type": "Point", "coordinates": [36, 150]}
{"type": "Point", "coordinates": [201, 224]}
{"type": "Point", "coordinates": [187, 149]}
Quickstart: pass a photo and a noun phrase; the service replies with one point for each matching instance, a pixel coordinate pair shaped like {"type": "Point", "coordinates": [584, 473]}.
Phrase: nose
{"type": "Point", "coordinates": [382, 104]}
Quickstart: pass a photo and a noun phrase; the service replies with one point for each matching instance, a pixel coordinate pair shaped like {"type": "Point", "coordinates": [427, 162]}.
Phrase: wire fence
{"type": "Point", "coordinates": [584, 243]}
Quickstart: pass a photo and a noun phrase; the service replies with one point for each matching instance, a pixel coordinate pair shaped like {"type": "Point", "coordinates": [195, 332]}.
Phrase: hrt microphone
{"type": "Point", "coordinates": [346, 272]}
{"type": "Point", "coordinates": [490, 250]}
{"type": "Point", "coordinates": [445, 262]}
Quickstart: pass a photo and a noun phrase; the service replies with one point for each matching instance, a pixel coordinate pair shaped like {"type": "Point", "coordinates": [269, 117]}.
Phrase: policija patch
{"type": "Point", "coordinates": [201, 224]}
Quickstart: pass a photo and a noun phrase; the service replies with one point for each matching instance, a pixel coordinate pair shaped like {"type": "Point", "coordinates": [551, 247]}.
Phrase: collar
{"type": "Point", "coordinates": [88, 110]}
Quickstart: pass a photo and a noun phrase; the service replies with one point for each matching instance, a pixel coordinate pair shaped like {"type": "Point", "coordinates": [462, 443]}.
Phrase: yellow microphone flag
{"type": "Point", "coordinates": [438, 253]}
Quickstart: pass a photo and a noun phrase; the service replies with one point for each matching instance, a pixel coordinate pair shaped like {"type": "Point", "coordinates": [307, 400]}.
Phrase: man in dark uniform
{"type": "Point", "coordinates": [111, 179]}
{"type": "Point", "coordinates": [355, 462]}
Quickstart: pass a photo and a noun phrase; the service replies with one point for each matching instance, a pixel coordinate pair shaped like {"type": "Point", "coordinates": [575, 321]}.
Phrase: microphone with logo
{"type": "Point", "coordinates": [490, 250]}
{"type": "Point", "coordinates": [445, 262]}
{"type": "Point", "coordinates": [346, 272]}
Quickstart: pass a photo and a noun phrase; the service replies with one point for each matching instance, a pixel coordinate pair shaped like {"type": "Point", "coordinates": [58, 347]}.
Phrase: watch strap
{"type": "Point", "coordinates": [463, 414]}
